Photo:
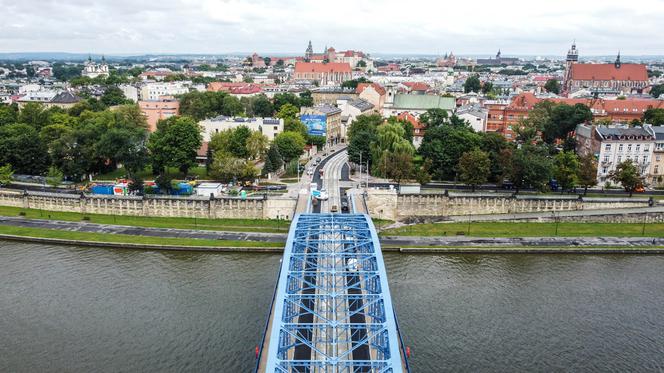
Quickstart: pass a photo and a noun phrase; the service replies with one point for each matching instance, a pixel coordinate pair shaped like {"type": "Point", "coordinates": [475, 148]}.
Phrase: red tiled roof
{"type": "Point", "coordinates": [608, 71]}
{"type": "Point", "coordinates": [234, 88]}
{"type": "Point", "coordinates": [413, 120]}
{"type": "Point", "coordinates": [331, 67]}
{"type": "Point", "coordinates": [377, 87]}
{"type": "Point", "coordinates": [526, 101]}
{"type": "Point", "coordinates": [417, 86]}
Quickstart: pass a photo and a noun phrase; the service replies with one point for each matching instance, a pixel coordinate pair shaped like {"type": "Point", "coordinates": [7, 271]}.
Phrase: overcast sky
{"type": "Point", "coordinates": [537, 27]}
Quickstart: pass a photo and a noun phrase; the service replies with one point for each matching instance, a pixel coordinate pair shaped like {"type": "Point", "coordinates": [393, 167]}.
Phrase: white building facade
{"type": "Point", "coordinates": [270, 127]}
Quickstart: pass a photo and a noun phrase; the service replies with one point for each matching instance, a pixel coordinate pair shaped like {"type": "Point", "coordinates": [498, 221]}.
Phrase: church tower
{"type": "Point", "coordinates": [309, 52]}
{"type": "Point", "coordinates": [572, 58]}
{"type": "Point", "coordinates": [618, 63]}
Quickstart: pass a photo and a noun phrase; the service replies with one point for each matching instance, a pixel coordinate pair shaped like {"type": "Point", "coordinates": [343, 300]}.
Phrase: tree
{"type": "Point", "coordinates": [654, 117]}
{"type": "Point", "coordinates": [238, 142]}
{"type": "Point", "coordinates": [290, 145]}
{"type": "Point", "coordinates": [262, 106]}
{"type": "Point", "coordinates": [353, 83]}
{"type": "Point", "coordinates": [552, 86]}
{"type": "Point", "coordinates": [114, 96]}
{"type": "Point", "coordinates": [34, 115]}
{"type": "Point", "coordinates": [232, 106]}
{"type": "Point", "coordinates": [273, 160]}
{"type": "Point", "coordinates": [627, 175]}
{"type": "Point", "coordinates": [288, 111]}
{"type": "Point", "coordinates": [361, 134]}
{"type": "Point", "coordinates": [657, 90]}
{"type": "Point", "coordinates": [256, 145]}
{"type": "Point", "coordinates": [493, 144]}
{"type": "Point", "coordinates": [564, 119]}
{"type": "Point", "coordinates": [434, 117]}
{"type": "Point", "coordinates": [228, 168]}
{"type": "Point", "coordinates": [282, 99]}
{"type": "Point", "coordinates": [587, 173]}
{"type": "Point", "coordinates": [175, 144]}
{"type": "Point", "coordinates": [267, 61]}
{"type": "Point", "coordinates": [472, 84]}
{"type": "Point", "coordinates": [474, 168]}
{"type": "Point", "coordinates": [444, 145]}
{"type": "Point", "coordinates": [566, 170]}
{"type": "Point", "coordinates": [391, 152]}
{"type": "Point", "coordinates": [306, 99]}
{"type": "Point", "coordinates": [21, 146]}
{"type": "Point", "coordinates": [487, 87]}
{"type": "Point", "coordinates": [6, 173]}
{"type": "Point", "coordinates": [530, 166]}
{"type": "Point", "coordinates": [54, 177]}
{"type": "Point", "coordinates": [8, 114]}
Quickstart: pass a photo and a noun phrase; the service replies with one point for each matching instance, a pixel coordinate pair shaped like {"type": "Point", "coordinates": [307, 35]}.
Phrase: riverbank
{"type": "Point", "coordinates": [456, 245]}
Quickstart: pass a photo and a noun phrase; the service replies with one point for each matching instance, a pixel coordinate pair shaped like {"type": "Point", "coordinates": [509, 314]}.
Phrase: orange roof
{"type": "Point", "coordinates": [408, 117]}
{"type": "Point", "coordinates": [417, 86]}
{"type": "Point", "coordinates": [234, 88]}
{"type": "Point", "coordinates": [526, 101]}
{"type": "Point", "coordinates": [331, 67]}
{"type": "Point", "coordinates": [377, 87]}
{"type": "Point", "coordinates": [608, 71]}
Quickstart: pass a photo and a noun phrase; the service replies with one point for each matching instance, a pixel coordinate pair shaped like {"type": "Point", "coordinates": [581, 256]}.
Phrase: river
{"type": "Point", "coordinates": [83, 310]}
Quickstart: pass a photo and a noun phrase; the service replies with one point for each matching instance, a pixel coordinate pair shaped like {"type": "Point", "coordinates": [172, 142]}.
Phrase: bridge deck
{"type": "Point", "coordinates": [332, 309]}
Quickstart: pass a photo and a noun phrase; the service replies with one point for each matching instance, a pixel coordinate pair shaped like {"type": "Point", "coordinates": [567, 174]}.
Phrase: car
{"type": "Point", "coordinates": [344, 206]}
{"type": "Point", "coordinates": [320, 172]}
{"type": "Point", "coordinates": [310, 171]}
{"type": "Point", "coordinates": [318, 160]}
{"type": "Point", "coordinates": [322, 195]}
{"type": "Point", "coordinates": [334, 208]}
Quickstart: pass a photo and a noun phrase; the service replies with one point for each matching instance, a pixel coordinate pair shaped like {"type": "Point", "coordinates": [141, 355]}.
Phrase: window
{"type": "Point", "coordinates": [619, 158]}
{"type": "Point", "coordinates": [607, 147]}
{"type": "Point", "coordinates": [604, 169]}
{"type": "Point", "coordinates": [646, 148]}
{"type": "Point", "coordinates": [656, 169]}
{"type": "Point", "coordinates": [638, 148]}
{"type": "Point", "coordinates": [629, 147]}
{"type": "Point", "coordinates": [620, 147]}
{"type": "Point", "coordinates": [645, 159]}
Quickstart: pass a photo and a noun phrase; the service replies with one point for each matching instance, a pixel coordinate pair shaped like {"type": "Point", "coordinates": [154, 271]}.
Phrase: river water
{"type": "Point", "coordinates": [66, 309]}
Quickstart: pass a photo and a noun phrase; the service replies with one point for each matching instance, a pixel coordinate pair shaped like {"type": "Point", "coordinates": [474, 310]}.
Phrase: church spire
{"type": "Point", "coordinates": [618, 63]}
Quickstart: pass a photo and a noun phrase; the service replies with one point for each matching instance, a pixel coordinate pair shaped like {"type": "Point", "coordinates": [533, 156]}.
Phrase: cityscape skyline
{"type": "Point", "coordinates": [220, 27]}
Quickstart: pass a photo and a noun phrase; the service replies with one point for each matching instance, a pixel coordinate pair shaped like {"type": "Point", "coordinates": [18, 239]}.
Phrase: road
{"type": "Point", "coordinates": [332, 180]}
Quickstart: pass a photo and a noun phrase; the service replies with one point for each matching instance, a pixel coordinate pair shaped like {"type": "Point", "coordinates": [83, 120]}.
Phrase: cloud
{"type": "Point", "coordinates": [271, 26]}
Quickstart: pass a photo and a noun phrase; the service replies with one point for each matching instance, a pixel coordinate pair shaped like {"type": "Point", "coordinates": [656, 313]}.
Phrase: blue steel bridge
{"type": "Point", "coordinates": [332, 311]}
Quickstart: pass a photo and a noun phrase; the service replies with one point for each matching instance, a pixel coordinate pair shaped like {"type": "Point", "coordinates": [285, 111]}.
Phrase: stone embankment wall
{"type": "Point", "coordinates": [160, 206]}
{"type": "Point", "coordinates": [387, 204]}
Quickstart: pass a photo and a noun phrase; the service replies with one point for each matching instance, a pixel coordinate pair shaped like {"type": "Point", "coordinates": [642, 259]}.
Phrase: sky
{"type": "Point", "coordinates": [517, 27]}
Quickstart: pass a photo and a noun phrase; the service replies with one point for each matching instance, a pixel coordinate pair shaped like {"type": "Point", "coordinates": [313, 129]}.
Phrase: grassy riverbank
{"type": "Point", "coordinates": [127, 239]}
{"type": "Point", "coordinates": [235, 225]}
{"type": "Point", "coordinates": [527, 229]}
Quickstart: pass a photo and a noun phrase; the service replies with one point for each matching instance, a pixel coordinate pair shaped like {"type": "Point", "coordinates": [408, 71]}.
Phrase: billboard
{"type": "Point", "coordinates": [316, 124]}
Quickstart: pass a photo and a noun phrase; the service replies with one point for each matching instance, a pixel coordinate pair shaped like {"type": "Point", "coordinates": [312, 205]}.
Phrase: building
{"type": "Point", "coordinates": [93, 70]}
{"type": "Point", "coordinates": [657, 167]}
{"type": "Point", "coordinates": [612, 145]}
{"type": "Point", "coordinates": [49, 99]}
{"type": "Point", "coordinates": [603, 78]}
{"type": "Point", "coordinates": [154, 91]}
{"type": "Point", "coordinates": [350, 110]}
{"type": "Point", "coordinates": [129, 91]}
{"type": "Point", "coordinates": [156, 110]}
{"type": "Point", "coordinates": [374, 93]}
{"type": "Point", "coordinates": [330, 95]}
{"type": "Point", "coordinates": [332, 73]}
{"type": "Point", "coordinates": [332, 116]}
{"type": "Point", "coordinates": [63, 100]}
{"type": "Point", "coordinates": [475, 115]}
{"type": "Point", "coordinates": [502, 117]}
{"type": "Point", "coordinates": [236, 89]}
{"type": "Point", "coordinates": [418, 127]}
{"type": "Point", "coordinates": [270, 127]}
{"type": "Point", "coordinates": [499, 60]}
{"type": "Point", "coordinates": [415, 104]}
{"type": "Point", "coordinates": [449, 60]}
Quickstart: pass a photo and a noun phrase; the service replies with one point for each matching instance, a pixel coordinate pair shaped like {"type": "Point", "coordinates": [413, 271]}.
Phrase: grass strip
{"type": "Point", "coordinates": [124, 238]}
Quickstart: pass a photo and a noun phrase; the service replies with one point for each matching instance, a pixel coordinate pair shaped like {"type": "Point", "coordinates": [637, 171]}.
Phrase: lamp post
{"type": "Point", "coordinates": [643, 228]}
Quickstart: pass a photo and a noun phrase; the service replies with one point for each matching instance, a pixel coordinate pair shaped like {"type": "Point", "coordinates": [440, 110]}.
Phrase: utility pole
{"type": "Point", "coordinates": [360, 170]}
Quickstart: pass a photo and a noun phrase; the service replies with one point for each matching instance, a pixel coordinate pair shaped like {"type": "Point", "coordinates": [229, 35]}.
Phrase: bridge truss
{"type": "Point", "coordinates": [332, 309]}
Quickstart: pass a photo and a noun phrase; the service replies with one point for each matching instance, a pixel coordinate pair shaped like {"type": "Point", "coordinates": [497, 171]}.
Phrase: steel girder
{"type": "Point", "coordinates": [333, 312]}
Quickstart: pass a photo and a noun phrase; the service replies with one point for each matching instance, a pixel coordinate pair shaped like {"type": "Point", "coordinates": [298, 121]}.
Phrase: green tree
{"type": "Point", "coordinates": [353, 83]}
{"type": "Point", "coordinates": [175, 144]}
{"type": "Point", "coordinates": [202, 105]}
{"type": "Point", "coordinates": [21, 147]}
{"type": "Point", "coordinates": [238, 142]}
{"type": "Point", "coordinates": [6, 173]}
{"type": "Point", "coordinates": [288, 111]}
{"type": "Point", "coordinates": [627, 175]}
{"type": "Point", "coordinates": [493, 144]}
{"type": "Point", "coordinates": [232, 106]}
{"type": "Point", "coordinates": [228, 168]}
{"type": "Point", "coordinates": [654, 117]}
{"type": "Point", "coordinates": [657, 90]}
{"type": "Point", "coordinates": [34, 115]}
{"type": "Point", "coordinates": [273, 160]}
{"type": "Point", "coordinates": [361, 134]}
{"type": "Point", "coordinates": [54, 177]}
{"type": "Point", "coordinates": [290, 145]}
{"type": "Point", "coordinates": [564, 119]}
{"type": "Point", "coordinates": [530, 166]}
{"type": "Point", "coordinates": [474, 168]}
{"type": "Point", "coordinates": [552, 86]}
{"type": "Point", "coordinates": [113, 96]}
{"type": "Point", "coordinates": [267, 61]}
{"type": "Point", "coordinates": [282, 99]}
{"type": "Point", "coordinates": [8, 114]}
{"type": "Point", "coordinates": [587, 173]}
{"type": "Point", "coordinates": [472, 84]}
{"type": "Point", "coordinates": [566, 170]}
{"type": "Point", "coordinates": [434, 117]}
{"type": "Point", "coordinates": [262, 107]}
{"type": "Point", "coordinates": [391, 152]}
{"type": "Point", "coordinates": [487, 87]}
{"type": "Point", "coordinates": [257, 144]}
{"type": "Point", "coordinates": [444, 145]}
{"type": "Point", "coordinates": [306, 99]}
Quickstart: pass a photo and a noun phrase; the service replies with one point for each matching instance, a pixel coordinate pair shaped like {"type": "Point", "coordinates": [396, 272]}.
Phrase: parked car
{"type": "Point", "coordinates": [310, 171]}
{"type": "Point", "coordinates": [344, 206]}
{"type": "Point", "coordinates": [318, 159]}
{"type": "Point", "coordinates": [334, 208]}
